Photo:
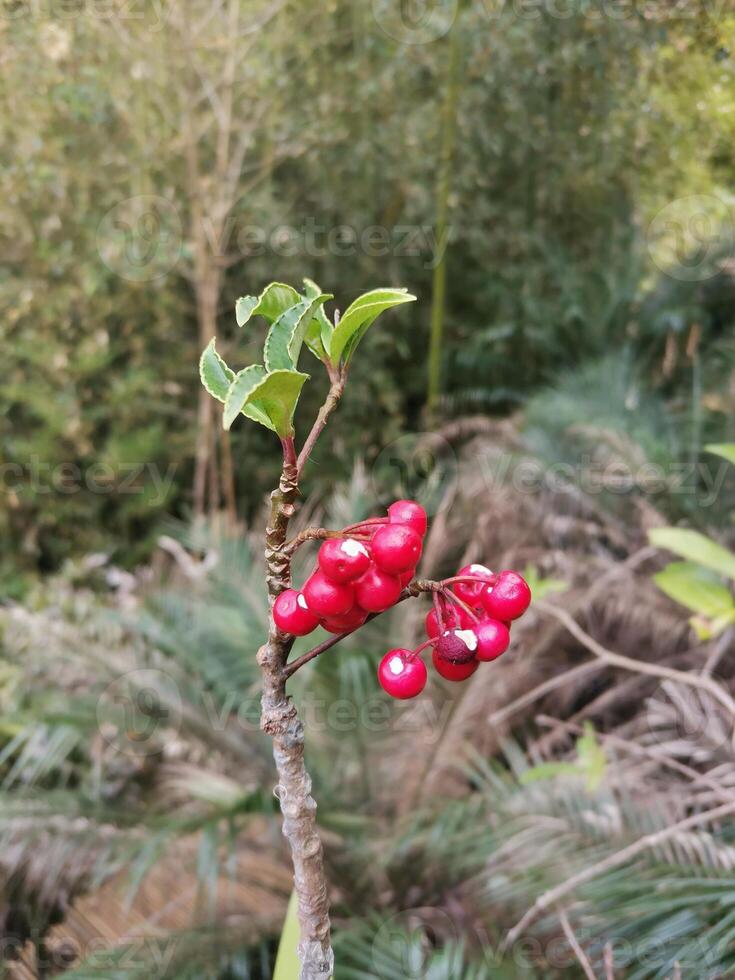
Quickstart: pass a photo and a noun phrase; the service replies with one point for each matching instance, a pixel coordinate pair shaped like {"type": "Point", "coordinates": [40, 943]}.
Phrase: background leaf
{"type": "Point", "coordinates": [695, 588]}
{"type": "Point", "coordinates": [695, 547]}
{"type": "Point", "coordinates": [724, 449]}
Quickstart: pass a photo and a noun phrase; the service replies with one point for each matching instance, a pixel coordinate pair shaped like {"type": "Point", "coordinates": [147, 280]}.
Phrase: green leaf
{"type": "Point", "coordinates": [287, 960]}
{"type": "Point", "coordinates": [215, 374]}
{"type": "Point", "coordinates": [274, 300]}
{"type": "Point", "coordinates": [274, 396]}
{"type": "Point", "coordinates": [695, 547]}
{"type": "Point", "coordinates": [359, 316]}
{"type": "Point", "coordinates": [592, 758]}
{"type": "Point", "coordinates": [235, 401]}
{"type": "Point", "coordinates": [286, 335]}
{"type": "Point", "coordinates": [319, 332]}
{"type": "Point", "coordinates": [696, 588]}
{"type": "Point", "coordinates": [541, 587]}
{"type": "Point", "coordinates": [724, 449]}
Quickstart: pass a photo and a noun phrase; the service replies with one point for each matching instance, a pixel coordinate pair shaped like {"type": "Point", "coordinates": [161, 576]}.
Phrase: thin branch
{"type": "Point", "coordinates": [719, 649]}
{"type": "Point", "coordinates": [313, 534]}
{"type": "Point", "coordinates": [553, 896]}
{"type": "Point", "coordinates": [336, 389]}
{"type": "Point", "coordinates": [609, 962]}
{"type": "Point", "coordinates": [704, 683]}
{"type": "Point", "coordinates": [660, 758]}
{"type": "Point", "coordinates": [576, 948]}
{"type": "Point", "coordinates": [546, 687]}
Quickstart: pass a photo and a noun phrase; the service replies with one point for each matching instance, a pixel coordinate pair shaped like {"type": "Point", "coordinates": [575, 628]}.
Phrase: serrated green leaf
{"type": "Point", "coordinates": [359, 316]}
{"type": "Point", "coordinates": [272, 302]}
{"type": "Point", "coordinates": [273, 397]}
{"type": "Point", "coordinates": [216, 376]}
{"type": "Point", "coordinates": [695, 547]}
{"type": "Point", "coordinates": [319, 332]}
{"type": "Point", "coordinates": [237, 395]}
{"type": "Point", "coordinates": [286, 335]}
{"type": "Point", "coordinates": [724, 449]}
{"type": "Point", "coordinates": [696, 588]}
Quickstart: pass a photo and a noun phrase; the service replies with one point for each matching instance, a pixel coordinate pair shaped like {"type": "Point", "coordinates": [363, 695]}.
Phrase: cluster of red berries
{"type": "Point", "coordinates": [362, 570]}
{"type": "Point", "coordinates": [469, 624]}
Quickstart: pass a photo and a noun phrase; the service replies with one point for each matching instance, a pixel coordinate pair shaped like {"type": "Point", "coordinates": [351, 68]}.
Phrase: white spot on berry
{"type": "Point", "coordinates": [352, 548]}
{"type": "Point", "coordinates": [479, 570]}
{"type": "Point", "coordinates": [300, 601]}
{"type": "Point", "coordinates": [468, 637]}
{"type": "Point", "coordinates": [395, 665]}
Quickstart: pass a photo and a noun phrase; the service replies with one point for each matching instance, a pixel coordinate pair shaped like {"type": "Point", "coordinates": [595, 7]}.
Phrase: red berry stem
{"type": "Point", "coordinates": [460, 578]}
{"type": "Point", "coordinates": [448, 594]}
{"type": "Point", "coordinates": [420, 649]}
{"type": "Point", "coordinates": [368, 522]}
{"type": "Point", "coordinates": [439, 607]}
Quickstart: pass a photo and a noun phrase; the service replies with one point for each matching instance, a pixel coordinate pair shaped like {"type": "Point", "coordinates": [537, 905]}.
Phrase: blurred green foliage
{"type": "Point", "coordinates": [572, 134]}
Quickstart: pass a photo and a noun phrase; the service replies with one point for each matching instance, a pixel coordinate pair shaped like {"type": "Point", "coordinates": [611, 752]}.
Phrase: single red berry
{"type": "Point", "coordinates": [469, 592]}
{"type": "Point", "coordinates": [453, 672]}
{"type": "Point", "coordinates": [377, 591]}
{"type": "Point", "coordinates": [402, 674]}
{"type": "Point", "coordinates": [405, 577]}
{"type": "Point", "coordinates": [508, 598]}
{"type": "Point", "coordinates": [458, 646]}
{"type": "Point", "coordinates": [396, 548]}
{"type": "Point", "coordinates": [493, 639]}
{"type": "Point", "coordinates": [343, 560]}
{"type": "Point", "coordinates": [411, 513]}
{"type": "Point", "coordinates": [348, 621]}
{"type": "Point", "coordinates": [291, 614]}
{"type": "Point", "coordinates": [325, 597]}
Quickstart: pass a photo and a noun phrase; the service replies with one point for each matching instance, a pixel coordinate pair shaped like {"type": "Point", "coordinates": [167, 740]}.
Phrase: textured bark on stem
{"type": "Point", "coordinates": [280, 720]}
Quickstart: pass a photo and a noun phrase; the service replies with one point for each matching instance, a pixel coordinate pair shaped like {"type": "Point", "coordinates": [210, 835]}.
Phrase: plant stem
{"type": "Point", "coordinates": [280, 720]}
{"type": "Point", "coordinates": [336, 388]}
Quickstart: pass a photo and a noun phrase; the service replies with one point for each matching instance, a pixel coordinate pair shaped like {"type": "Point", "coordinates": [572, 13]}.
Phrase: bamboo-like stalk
{"type": "Point", "coordinates": [439, 280]}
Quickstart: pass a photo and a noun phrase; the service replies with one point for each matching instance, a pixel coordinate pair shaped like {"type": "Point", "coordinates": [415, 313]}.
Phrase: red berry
{"type": "Point", "coordinates": [409, 512]}
{"type": "Point", "coordinates": [376, 590]}
{"type": "Point", "coordinates": [343, 560]}
{"type": "Point", "coordinates": [431, 623]}
{"type": "Point", "coordinates": [457, 645]}
{"type": "Point", "coordinates": [291, 614]}
{"type": "Point", "coordinates": [348, 621]}
{"type": "Point", "coordinates": [396, 548]}
{"type": "Point", "coordinates": [508, 598]}
{"type": "Point", "coordinates": [469, 592]}
{"type": "Point", "coordinates": [402, 674]}
{"type": "Point", "coordinates": [493, 639]}
{"type": "Point", "coordinates": [453, 672]}
{"type": "Point", "coordinates": [325, 597]}
{"type": "Point", "coordinates": [405, 577]}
